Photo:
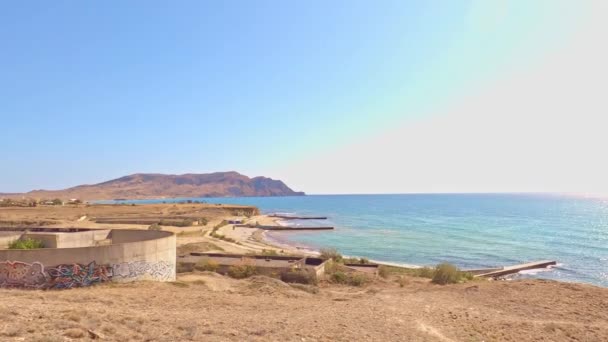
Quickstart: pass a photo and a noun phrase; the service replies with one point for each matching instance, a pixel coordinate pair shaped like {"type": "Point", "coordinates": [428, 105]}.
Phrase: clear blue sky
{"type": "Point", "coordinates": [93, 91]}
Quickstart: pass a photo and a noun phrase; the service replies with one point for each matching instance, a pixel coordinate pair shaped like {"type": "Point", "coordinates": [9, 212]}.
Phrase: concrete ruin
{"type": "Point", "coordinates": [272, 266]}
{"type": "Point", "coordinates": [75, 257]}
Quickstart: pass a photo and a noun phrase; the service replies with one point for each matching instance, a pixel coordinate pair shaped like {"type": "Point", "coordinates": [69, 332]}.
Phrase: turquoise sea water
{"type": "Point", "coordinates": [469, 230]}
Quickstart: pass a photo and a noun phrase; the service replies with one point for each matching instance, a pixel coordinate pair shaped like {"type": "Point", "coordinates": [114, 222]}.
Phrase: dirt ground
{"type": "Point", "coordinates": [210, 307]}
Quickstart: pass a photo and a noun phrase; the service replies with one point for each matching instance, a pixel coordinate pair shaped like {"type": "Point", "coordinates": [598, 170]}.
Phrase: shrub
{"type": "Point", "coordinates": [244, 270]}
{"type": "Point", "coordinates": [155, 226]}
{"type": "Point", "coordinates": [207, 265]}
{"type": "Point", "coordinates": [331, 253]}
{"type": "Point", "coordinates": [298, 276]}
{"type": "Point", "coordinates": [203, 221]}
{"type": "Point", "coordinates": [352, 279]}
{"type": "Point", "coordinates": [383, 271]}
{"type": "Point", "coordinates": [447, 274]}
{"type": "Point", "coordinates": [339, 277]}
{"type": "Point", "coordinates": [357, 279]}
{"type": "Point", "coordinates": [26, 244]}
{"type": "Point", "coordinates": [425, 272]}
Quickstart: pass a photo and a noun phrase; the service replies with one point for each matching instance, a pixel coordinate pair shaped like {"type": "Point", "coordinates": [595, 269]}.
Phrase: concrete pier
{"type": "Point", "coordinates": [516, 268]}
{"type": "Point", "coordinates": [285, 217]}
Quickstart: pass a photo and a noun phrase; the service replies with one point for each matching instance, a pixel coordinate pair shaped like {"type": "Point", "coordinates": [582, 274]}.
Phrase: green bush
{"type": "Point", "coordinates": [447, 274]}
{"type": "Point", "coordinates": [331, 253]}
{"type": "Point", "coordinates": [206, 265]}
{"type": "Point", "coordinates": [26, 244]}
{"type": "Point", "coordinates": [203, 221]}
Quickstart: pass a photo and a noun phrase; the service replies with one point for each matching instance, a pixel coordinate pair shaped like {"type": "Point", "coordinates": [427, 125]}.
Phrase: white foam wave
{"type": "Point", "coordinates": [539, 270]}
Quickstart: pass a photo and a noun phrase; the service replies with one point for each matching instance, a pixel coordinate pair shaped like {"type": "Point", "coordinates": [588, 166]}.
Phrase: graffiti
{"type": "Point", "coordinates": [21, 274]}
{"type": "Point", "coordinates": [67, 276]}
{"type": "Point", "coordinates": [77, 275]}
{"type": "Point", "coordinates": [160, 270]}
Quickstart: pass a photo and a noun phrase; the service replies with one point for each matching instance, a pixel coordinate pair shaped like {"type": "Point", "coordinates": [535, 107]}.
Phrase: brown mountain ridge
{"type": "Point", "coordinates": [152, 185]}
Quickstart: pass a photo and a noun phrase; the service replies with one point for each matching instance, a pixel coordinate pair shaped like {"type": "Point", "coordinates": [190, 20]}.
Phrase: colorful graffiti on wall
{"type": "Point", "coordinates": [66, 276]}
{"type": "Point", "coordinates": [77, 275]}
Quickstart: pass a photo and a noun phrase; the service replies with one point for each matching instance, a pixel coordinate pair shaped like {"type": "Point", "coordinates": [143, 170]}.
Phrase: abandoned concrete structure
{"type": "Point", "coordinates": [75, 257]}
{"type": "Point", "coordinates": [266, 265]}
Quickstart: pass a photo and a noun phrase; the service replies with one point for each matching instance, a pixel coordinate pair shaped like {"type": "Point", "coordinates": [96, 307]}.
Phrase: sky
{"type": "Point", "coordinates": [329, 96]}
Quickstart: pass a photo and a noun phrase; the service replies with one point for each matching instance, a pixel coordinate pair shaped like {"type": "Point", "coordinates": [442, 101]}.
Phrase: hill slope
{"type": "Point", "coordinates": [145, 185]}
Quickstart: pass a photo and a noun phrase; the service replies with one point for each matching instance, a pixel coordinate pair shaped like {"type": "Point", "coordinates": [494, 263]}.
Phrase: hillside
{"type": "Point", "coordinates": [138, 186]}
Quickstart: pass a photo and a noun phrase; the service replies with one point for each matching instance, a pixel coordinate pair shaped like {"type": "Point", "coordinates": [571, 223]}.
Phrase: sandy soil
{"type": "Point", "coordinates": [210, 307]}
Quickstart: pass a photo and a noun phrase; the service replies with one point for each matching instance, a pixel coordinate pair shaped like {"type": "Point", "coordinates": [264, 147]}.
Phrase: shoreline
{"type": "Point", "coordinates": [262, 237]}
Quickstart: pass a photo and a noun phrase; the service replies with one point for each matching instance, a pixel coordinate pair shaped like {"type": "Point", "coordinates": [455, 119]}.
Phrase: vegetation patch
{"type": "Point", "coordinates": [177, 223]}
{"type": "Point", "coordinates": [331, 254]}
{"type": "Point", "coordinates": [26, 244]}
{"type": "Point", "coordinates": [207, 265]}
{"type": "Point", "coordinates": [360, 261]}
{"type": "Point", "coordinates": [242, 271]}
{"type": "Point", "coordinates": [298, 276]}
{"type": "Point", "coordinates": [198, 247]}
{"type": "Point", "coordinates": [352, 279]}
{"type": "Point", "coordinates": [450, 274]}
{"type": "Point", "coordinates": [442, 274]}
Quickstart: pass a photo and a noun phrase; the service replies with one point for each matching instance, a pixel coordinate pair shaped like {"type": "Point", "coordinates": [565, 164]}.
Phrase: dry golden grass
{"type": "Point", "coordinates": [210, 307]}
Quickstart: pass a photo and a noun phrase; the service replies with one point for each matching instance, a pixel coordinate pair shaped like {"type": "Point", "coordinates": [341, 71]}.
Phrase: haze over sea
{"type": "Point", "coordinates": [468, 230]}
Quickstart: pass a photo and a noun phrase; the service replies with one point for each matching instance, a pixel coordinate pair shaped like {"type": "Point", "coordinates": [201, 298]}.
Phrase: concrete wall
{"type": "Point", "coordinates": [84, 238]}
{"type": "Point", "coordinates": [133, 255]}
{"type": "Point", "coordinates": [7, 237]}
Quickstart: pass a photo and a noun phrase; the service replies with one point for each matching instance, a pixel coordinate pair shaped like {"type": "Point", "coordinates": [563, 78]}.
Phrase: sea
{"type": "Point", "coordinates": [468, 230]}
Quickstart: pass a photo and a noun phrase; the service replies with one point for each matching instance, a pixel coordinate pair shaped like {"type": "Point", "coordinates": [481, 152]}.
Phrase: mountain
{"type": "Point", "coordinates": [148, 185]}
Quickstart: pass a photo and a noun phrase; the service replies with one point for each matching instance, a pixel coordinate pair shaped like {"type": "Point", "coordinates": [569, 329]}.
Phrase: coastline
{"type": "Point", "coordinates": [267, 242]}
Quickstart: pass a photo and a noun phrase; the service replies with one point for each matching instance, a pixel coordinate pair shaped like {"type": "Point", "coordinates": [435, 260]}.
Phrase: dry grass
{"type": "Point", "coordinates": [218, 308]}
